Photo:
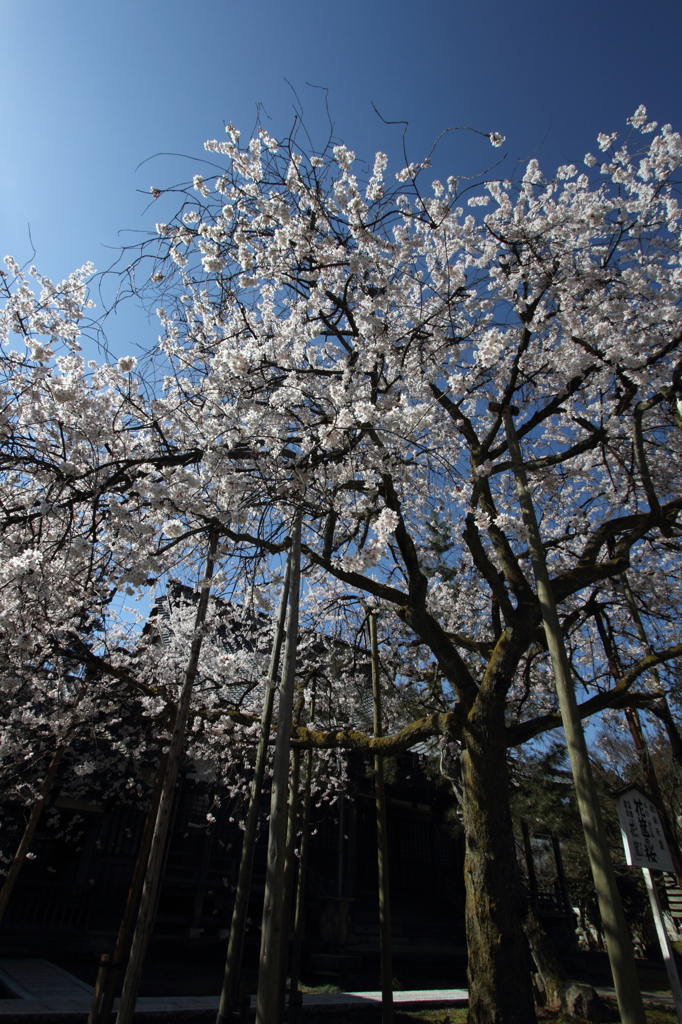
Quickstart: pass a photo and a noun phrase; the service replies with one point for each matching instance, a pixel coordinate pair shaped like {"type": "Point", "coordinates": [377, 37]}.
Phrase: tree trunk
{"type": "Point", "coordinates": [575, 998]}
{"type": "Point", "coordinates": [500, 990]}
{"type": "Point", "coordinates": [550, 967]}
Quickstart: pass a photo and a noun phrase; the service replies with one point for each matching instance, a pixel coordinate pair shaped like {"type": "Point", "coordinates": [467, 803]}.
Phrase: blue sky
{"type": "Point", "coordinates": [95, 87]}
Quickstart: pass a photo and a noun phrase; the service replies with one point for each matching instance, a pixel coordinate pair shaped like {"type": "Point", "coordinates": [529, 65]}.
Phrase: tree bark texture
{"type": "Point", "coordinates": [500, 990]}
{"type": "Point", "coordinates": [575, 998]}
{"type": "Point", "coordinates": [550, 967]}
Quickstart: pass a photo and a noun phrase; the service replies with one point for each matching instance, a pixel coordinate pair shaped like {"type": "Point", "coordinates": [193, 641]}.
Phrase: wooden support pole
{"type": "Point", "coordinates": [102, 972]}
{"type": "Point", "coordinates": [125, 931]}
{"type": "Point", "coordinates": [339, 843]}
{"type": "Point", "coordinates": [150, 888]}
{"type": "Point", "coordinates": [268, 1010]}
{"type": "Point", "coordinates": [235, 945]}
{"type": "Point", "coordinates": [290, 859]}
{"type": "Point", "coordinates": [530, 864]}
{"type": "Point", "coordinates": [295, 998]}
{"type": "Point", "coordinates": [289, 862]}
{"type": "Point", "coordinates": [561, 878]}
{"type": "Point", "coordinates": [382, 840]}
{"type": "Point", "coordinates": [618, 943]}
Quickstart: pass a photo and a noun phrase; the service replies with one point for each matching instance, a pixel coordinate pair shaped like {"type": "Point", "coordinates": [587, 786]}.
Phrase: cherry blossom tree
{"type": "Point", "coordinates": [330, 348]}
{"type": "Point", "coordinates": [345, 337]}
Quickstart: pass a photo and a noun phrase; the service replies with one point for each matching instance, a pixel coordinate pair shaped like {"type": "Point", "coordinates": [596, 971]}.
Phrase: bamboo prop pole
{"type": "Point", "coordinates": [290, 858]}
{"type": "Point", "coordinates": [235, 946]}
{"type": "Point", "coordinates": [561, 877]}
{"type": "Point", "coordinates": [530, 863]}
{"type": "Point", "coordinates": [150, 888]}
{"type": "Point", "coordinates": [339, 845]}
{"type": "Point", "coordinates": [102, 972]}
{"type": "Point", "coordinates": [295, 997]}
{"type": "Point", "coordinates": [664, 942]}
{"type": "Point", "coordinates": [125, 931]}
{"type": "Point", "coordinates": [382, 841]}
{"type": "Point", "coordinates": [640, 744]}
{"type": "Point", "coordinates": [618, 944]}
{"type": "Point", "coordinates": [272, 933]}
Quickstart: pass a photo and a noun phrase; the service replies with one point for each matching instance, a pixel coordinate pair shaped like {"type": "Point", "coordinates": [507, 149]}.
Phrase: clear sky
{"type": "Point", "coordinates": [94, 87]}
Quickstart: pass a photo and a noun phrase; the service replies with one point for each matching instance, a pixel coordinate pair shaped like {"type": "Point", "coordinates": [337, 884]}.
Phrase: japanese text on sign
{"type": "Point", "coordinates": [643, 839]}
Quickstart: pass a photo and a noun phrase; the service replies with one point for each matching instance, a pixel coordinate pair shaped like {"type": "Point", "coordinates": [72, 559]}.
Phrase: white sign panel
{"type": "Point", "coordinates": [643, 839]}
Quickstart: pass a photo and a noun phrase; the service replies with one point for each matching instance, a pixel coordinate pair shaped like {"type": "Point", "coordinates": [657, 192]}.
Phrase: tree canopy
{"type": "Point", "coordinates": [330, 346]}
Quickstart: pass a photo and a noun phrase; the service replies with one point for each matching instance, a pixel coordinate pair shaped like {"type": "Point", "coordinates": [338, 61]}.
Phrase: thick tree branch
{"type": "Point", "coordinates": [662, 711]}
{"type": "Point", "coordinates": [628, 529]}
{"type": "Point", "coordinates": [617, 697]}
{"type": "Point", "coordinates": [448, 723]}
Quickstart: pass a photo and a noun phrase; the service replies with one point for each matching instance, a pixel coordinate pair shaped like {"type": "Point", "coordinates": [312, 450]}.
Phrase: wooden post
{"type": "Point", "coordinates": [235, 946]}
{"type": "Point", "coordinates": [339, 847]}
{"type": "Point", "coordinates": [561, 878]}
{"type": "Point", "coordinates": [618, 944]}
{"type": "Point", "coordinates": [100, 982]}
{"type": "Point", "coordinates": [272, 933]}
{"type": "Point", "coordinates": [145, 917]}
{"type": "Point", "coordinates": [664, 942]}
{"type": "Point", "coordinates": [295, 998]}
{"type": "Point", "coordinates": [125, 931]}
{"type": "Point", "coordinates": [289, 860]}
{"type": "Point", "coordinates": [530, 863]}
{"type": "Point", "coordinates": [382, 841]}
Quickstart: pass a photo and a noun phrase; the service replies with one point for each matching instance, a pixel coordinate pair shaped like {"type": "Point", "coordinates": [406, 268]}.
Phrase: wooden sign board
{"type": "Point", "coordinates": [643, 839]}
